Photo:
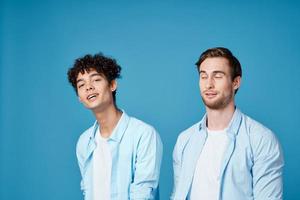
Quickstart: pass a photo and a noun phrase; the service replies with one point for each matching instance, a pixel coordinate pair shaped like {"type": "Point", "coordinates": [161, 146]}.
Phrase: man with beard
{"type": "Point", "coordinates": [227, 155]}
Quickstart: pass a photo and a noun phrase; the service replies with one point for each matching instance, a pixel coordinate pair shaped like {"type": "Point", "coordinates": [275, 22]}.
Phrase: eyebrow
{"type": "Point", "coordinates": [91, 75]}
{"type": "Point", "coordinates": [79, 80]}
{"type": "Point", "coordinates": [218, 72]}
{"type": "Point", "coordinates": [95, 74]}
{"type": "Point", "coordinates": [214, 72]}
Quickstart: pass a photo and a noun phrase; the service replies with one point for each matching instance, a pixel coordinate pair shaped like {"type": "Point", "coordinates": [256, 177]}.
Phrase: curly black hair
{"type": "Point", "coordinates": [106, 66]}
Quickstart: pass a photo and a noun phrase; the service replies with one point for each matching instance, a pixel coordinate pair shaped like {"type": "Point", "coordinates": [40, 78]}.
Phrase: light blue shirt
{"type": "Point", "coordinates": [252, 164]}
{"type": "Point", "coordinates": [136, 151]}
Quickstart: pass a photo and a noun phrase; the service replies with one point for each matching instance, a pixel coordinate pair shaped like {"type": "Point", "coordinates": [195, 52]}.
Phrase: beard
{"type": "Point", "coordinates": [218, 103]}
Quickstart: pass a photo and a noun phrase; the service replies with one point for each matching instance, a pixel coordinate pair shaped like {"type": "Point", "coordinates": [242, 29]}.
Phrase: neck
{"type": "Point", "coordinates": [108, 119]}
{"type": "Point", "coordinates": [219, 119]}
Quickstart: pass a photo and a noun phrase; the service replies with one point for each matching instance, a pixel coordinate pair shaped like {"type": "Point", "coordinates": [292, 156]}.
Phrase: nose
{"type": "Point", "coordinates": [209, 83]}
{"type": "Point", "coordinates": [89, 86]}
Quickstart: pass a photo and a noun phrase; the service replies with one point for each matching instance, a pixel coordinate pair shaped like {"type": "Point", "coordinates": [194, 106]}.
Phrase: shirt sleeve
{"type": "Point", "coordinates": [176, 168]}
{"type": "Point", "coordinates": [80, 164]}
{"type": "Point", "coordinates": [147, 167]}
{"type": "Point", "coordinates": [267, 168]}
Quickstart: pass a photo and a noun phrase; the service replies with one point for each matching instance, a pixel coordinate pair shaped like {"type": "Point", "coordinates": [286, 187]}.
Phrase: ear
{"type": "Point", "coordinates": [113, 85]}
{"type": "Point", "coordinates": [237, 82]}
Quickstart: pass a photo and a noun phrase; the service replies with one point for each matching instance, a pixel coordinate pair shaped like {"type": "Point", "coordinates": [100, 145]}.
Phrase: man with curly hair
{"type": "Point", "coordinates": [227, 155]}
{"type": "Point", "coordinates": [119, 156]}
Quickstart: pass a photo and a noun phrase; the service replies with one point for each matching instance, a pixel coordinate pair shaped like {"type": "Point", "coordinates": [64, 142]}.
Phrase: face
{"type": "Point", "coordinates": [94, 91]}
{"type": "Point", "coordinates": [216, 85]}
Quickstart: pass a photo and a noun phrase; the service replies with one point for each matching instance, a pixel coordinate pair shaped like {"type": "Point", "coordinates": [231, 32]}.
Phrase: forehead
{"type": "Point", "coordinates": [87, 74]}
{"type": "Point", "coordinates": [215, 64]}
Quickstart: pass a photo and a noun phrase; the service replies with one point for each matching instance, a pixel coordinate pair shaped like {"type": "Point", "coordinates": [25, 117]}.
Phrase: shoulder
{"type": "Point", "coordinates": [140, 127]}
{"type": "Point", "coordinates": [184, 138]}
{"type": "Point", "coordinates": [187, 133]}
{"type": "Point", "coordinates": [84, 139]}
{"type": "Point", "coordinates": [182, 141]}
{"type": "Point", "coordinates": [257, 130]}
{"type": "Point", "coordinates": [262, 139]}
{"type": "Point", "coordinates": [142, 133]}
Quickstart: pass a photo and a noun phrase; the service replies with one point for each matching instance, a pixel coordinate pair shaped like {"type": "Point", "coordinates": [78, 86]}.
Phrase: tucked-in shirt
{"type": "Point", "coordinates": [101, 168]}
{"type": "Point", "coordinates": [136, 152]}
{"type": "Point", "coordinates": [206, 181]}
{"type": "Point", "coordinates": [251, 167]}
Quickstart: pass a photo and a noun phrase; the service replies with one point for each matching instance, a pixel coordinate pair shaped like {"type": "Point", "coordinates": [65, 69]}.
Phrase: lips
{"type": "Point", "coordinates": [92, 96]}
{"type": "Point", "coordinates": [210, 94]}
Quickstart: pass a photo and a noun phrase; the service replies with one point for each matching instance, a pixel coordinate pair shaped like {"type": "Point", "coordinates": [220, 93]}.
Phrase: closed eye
{"type": "Point", "coordinates": [80, 85]}
{"type": "Point", "coordinates": [219, 75]}
{"type": "Point", "coordinates": [203, 75]}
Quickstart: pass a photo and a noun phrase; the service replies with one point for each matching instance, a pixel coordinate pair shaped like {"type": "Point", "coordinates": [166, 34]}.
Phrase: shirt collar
{"type": "Point", "coordinates": [233, 126]}
{"type": "Point", "coordinates": [119, 130]}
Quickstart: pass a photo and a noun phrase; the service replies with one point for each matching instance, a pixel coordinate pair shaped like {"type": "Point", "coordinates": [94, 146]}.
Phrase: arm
{"type": "Point", "coordinates": [147, 167]}
{"type": "Point", "coordinates": [80, 164]}
{"type": "Point", "coordinates": [267, 168]}
{"type": "Point", "coordinates": [176, 168]}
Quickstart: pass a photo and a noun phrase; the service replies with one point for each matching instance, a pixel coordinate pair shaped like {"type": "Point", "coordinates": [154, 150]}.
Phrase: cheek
{"type": "Point", "coordinates": [201, 87]}
{"type": "Point", "coordinates": [80, 96]}
{"type": "Point", "coordinates": [102, 87]}
{"type": "Point", "coordinates": [201, 84]}
{"type": "Point", "coordinates": [226, 85]}
{"type": "Point", "coordinates": [106, 90]}
{"type": "Point", "coordinates": [229, 89]}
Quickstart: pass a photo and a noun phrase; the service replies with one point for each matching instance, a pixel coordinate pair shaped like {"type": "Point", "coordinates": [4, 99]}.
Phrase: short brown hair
{"type": "Point", "coordinates": [236, 69]}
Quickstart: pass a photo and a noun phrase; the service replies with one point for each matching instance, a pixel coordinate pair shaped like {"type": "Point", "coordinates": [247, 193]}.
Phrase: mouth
{"type": "Point", "coordinates": [210, 94]}
{"type": "Point", "coordinates": [92, 96]}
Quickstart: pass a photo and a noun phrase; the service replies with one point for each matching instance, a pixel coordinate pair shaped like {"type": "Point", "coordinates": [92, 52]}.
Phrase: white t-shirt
{"type": "Point", "coordinates": [206, 181]}
{"type": "Point", "coordinates": [102, 161]}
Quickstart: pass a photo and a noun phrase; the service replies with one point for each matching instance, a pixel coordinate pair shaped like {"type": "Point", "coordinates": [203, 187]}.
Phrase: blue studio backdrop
{"type": "Point", "coordinates": [157, 44]}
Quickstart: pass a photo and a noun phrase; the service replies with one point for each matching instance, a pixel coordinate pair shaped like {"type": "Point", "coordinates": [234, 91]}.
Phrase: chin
{"type": "Point", "coordinates": [214, 105]}
{"type": "Point", "coordinates": [210, 102]}
{"type": "Point", "coordinates": [91, 106]}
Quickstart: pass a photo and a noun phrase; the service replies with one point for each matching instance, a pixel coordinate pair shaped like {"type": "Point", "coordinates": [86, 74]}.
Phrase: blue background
{"type": "Point", "coordinates": [157, 44]}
